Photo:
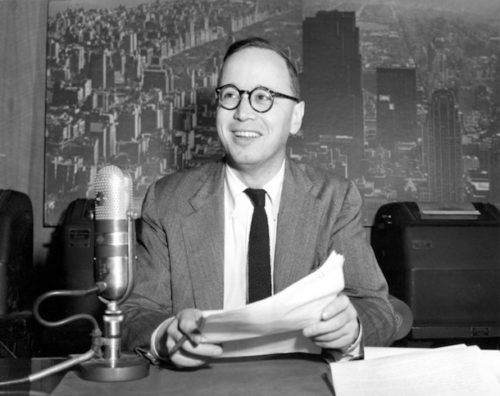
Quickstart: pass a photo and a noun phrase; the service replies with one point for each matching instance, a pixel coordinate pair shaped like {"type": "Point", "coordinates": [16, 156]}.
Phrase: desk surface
{"type": "Point", "coordinates": [279, 375]}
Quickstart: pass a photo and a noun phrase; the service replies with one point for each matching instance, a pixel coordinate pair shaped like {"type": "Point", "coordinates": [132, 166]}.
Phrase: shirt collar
{"type": "Point", "coordinates": [273, 188]}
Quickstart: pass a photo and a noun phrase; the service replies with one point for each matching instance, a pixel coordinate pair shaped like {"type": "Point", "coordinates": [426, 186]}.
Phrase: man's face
{"type": "Point", "coordinates": [256, 141]}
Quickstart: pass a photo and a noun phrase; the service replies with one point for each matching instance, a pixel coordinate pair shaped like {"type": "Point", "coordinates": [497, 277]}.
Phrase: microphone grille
{"type": "Point", "coordinates": [113, 190]}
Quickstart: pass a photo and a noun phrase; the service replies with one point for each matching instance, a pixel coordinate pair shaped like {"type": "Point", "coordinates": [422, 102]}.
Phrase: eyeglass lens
{"type": "Point", "coordinates": [260, 99]}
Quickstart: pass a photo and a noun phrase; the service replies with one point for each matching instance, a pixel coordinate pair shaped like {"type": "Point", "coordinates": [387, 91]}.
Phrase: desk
{"type": "Point", "coordinates": [278, 375]}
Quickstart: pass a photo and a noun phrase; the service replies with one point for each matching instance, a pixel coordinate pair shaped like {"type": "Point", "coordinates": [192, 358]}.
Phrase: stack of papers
{"type": "Point", "coordinates": [274, 325]}
{"type": "Point", "coordinates": [450, 371]}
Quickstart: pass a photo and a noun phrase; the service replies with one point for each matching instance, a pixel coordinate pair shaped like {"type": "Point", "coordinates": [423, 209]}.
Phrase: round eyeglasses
{"type": "Point", "coordinates": [261, 98]}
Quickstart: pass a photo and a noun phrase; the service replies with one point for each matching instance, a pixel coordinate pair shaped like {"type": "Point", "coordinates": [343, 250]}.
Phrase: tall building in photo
{"type": "Point", "coordinates": [129, 43]}
{"type": "Point", "coordinates": [76, 59]}
{"type": "Point", "coordinates": [494, 194]}
{"type": "Point", "coordinates": [129, 125]}
{"type": "Point", "coordinates": [443, 149]}
{"type": "Point", "coordinates": [396, 106]}
{"type": "Point", "coordinates": [496, 81]}
{"type": "Point", "coordinates": [156, 78]}
{"type": "Point", "coordinates": [331, 82]}
{"type": "Point", "coordinates": [101, 70]}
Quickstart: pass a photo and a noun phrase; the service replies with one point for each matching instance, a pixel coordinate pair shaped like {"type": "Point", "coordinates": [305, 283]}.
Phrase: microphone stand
{"type": "Point", "coordinates": [94, 365]}
{"type": "Point", "coordinates": [113, 365]}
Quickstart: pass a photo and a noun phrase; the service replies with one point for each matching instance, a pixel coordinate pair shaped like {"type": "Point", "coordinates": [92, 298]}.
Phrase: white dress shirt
{"type": "Point", "coordinates": [238, 210]}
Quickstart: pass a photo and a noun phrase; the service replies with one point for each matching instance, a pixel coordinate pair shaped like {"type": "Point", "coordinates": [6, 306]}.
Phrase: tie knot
{"type": "Point", "coordinates": [257, 196]}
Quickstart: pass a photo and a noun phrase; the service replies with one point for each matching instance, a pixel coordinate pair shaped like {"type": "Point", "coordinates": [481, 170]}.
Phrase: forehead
{"type": "Point", "coordinates": [251, 67]}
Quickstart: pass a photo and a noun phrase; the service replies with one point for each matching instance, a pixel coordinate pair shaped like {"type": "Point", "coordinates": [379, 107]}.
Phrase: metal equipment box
{"type": "Point", "coordinates": [445, 264]}
{"type": "Point", "coordinates": [16, 252]}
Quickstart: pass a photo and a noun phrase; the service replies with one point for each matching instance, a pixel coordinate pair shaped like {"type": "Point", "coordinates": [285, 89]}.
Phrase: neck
{"type": "Point", "coordinates": [254, 177]}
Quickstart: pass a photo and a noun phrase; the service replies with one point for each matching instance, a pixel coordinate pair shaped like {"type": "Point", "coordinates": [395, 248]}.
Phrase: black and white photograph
{"type": "Point", "coordinates": [414, 90]}
{"type": "Point", "coordinates": [250, 197]}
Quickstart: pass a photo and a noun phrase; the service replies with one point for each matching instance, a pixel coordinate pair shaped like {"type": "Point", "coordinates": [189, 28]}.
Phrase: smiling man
{"type": "Point", "coordinates": [201, 247]}
{"type": "Point", "coordinates": [258, 111]}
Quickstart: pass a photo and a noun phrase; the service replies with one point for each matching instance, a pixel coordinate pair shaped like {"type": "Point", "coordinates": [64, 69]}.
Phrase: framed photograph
{"type": "Point", "coordinates": [401, 97]}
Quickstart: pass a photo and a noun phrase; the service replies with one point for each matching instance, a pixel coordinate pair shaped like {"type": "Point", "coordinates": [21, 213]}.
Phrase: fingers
{"type": "Point", "coordinates": [190, 355]}
{"type": "Point", "coordinates": [201, 350]}
{"type": "Point", "coordinates": [201, 355]}
{"type": "Point", "coordinates": [338, 326]}
{"type": "Point", "coordinates": [337, 340]}
{"type": "Point", "coordinates": [189, 322]}
{"type": "Point", "coordinates": [336, 307]}
{"type": "Point", "coordinates": [184, 340]}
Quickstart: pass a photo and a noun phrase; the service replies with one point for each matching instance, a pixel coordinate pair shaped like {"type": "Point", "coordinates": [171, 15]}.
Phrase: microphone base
{"type": "Point", "coordinates": [126, 368]}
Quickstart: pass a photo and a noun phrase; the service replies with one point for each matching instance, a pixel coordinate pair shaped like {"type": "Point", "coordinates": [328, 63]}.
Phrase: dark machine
{"type": "Point", "coordinates": [16, 267]}
{"type": "Point", "coordinates": [444, 262]}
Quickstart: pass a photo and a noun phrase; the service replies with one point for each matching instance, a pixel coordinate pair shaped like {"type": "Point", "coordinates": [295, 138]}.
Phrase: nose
{"type": "Point", "coordinates": [244, 111]}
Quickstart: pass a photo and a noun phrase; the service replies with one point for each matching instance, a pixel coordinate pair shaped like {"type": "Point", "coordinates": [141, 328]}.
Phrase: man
{"type": "Point", "coordinates": [193, 244]}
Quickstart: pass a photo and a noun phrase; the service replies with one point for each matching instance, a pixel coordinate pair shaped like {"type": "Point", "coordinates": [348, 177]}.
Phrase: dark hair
{"type": "Point", "coordinates": [258, 42]}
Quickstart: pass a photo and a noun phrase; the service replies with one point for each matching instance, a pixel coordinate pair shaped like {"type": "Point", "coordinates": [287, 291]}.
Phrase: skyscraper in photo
{"type": "Point", "coordinates": [331, 82]}
{"type": "Point", "coordinates": [396, 106]}
{"type": "Point", "coordinates": [496, 81]}
{"type": "Point", "coordinates": [494, 193]}
{"type": "Point", "coordinates": [101, 70]}
{"type": "Point", "coordinates": [443, 149]}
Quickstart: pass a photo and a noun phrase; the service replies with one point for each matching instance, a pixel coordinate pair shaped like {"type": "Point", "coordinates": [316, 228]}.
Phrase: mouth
{"type": "Point", "coordinates": [246, 134]}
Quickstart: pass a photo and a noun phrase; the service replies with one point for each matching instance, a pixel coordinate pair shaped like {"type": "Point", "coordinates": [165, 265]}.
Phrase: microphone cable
{"type": "Point", "coordinates": [96, 335]}
{"type": "Point", "coordinates": [66, 293]}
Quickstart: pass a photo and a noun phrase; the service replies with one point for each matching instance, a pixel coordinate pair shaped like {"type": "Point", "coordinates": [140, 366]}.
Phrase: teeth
{"type": "Point", "coordinates": [246, 134]}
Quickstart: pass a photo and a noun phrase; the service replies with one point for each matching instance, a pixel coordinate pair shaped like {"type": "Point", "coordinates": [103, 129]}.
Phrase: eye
{"type": "Point", "coordinates": [262, 96]}
{"type": "Point", "coordinates": [229, 94]}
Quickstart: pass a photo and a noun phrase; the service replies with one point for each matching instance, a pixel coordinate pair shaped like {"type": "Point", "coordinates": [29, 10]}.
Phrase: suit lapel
{"type": "Point", "coordinates": [298, 220]}
{"type": "Point", "coordinates": [203, 230]}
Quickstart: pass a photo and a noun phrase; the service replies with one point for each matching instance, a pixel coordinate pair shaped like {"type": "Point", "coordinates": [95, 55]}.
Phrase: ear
{"type": "Point", "coordinates": [297, 115]}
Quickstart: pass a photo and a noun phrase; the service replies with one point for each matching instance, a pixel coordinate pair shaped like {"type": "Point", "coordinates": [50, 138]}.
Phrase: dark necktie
{"type": "Point", "coordinates": [259, 262]}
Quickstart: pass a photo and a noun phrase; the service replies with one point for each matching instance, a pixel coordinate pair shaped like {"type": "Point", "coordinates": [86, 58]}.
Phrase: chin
{"type": "Point", "coordinates": [245, 157]}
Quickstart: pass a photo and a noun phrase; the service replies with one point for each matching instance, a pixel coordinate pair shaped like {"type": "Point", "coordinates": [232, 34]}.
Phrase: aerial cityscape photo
{"type": "Point", "coordinates": [402, 96]}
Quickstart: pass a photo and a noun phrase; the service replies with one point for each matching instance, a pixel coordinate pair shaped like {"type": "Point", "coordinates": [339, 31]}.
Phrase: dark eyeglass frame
{"type": "Point", "coordinates": [272, 93]}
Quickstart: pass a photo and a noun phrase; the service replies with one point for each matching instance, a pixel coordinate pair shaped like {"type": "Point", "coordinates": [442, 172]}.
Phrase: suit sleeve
{"type": "Point", "coordinates": [365, 284]}
{"type": "Point", "coordinates": [150, 302]}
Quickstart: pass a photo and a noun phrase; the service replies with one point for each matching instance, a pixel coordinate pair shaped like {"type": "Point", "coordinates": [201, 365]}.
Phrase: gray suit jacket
{"type": "Point", "coordinates": [181, 247]}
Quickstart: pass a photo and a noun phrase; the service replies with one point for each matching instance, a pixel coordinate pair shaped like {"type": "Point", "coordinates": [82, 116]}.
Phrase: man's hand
{"type": "Point", "coordinates": [192, 352]}
{"type": "Point", "coordinates": [338, 327]}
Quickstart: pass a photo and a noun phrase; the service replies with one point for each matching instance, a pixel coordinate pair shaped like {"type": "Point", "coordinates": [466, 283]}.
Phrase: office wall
{"type": "Point", "coordinates": [22, 92]}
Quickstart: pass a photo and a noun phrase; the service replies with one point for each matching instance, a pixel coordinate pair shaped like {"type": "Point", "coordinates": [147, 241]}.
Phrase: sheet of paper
{"type": "Point", "coordinates": [449, 371]}
{"type": "Point", "coordinates": [274, 325]}
{"type": "Point", "coordinates": [383, 352]}
{"type": "Point", "coordinates": [290, 342]}
{"type": "Point", "coordinates": [491, 358]}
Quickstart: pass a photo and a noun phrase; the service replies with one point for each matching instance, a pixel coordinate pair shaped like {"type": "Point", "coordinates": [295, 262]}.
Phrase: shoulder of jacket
{"type": "Point", "coordinates": [185, 183]}
{"type": "Point", "coordinates": [319, 177]}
